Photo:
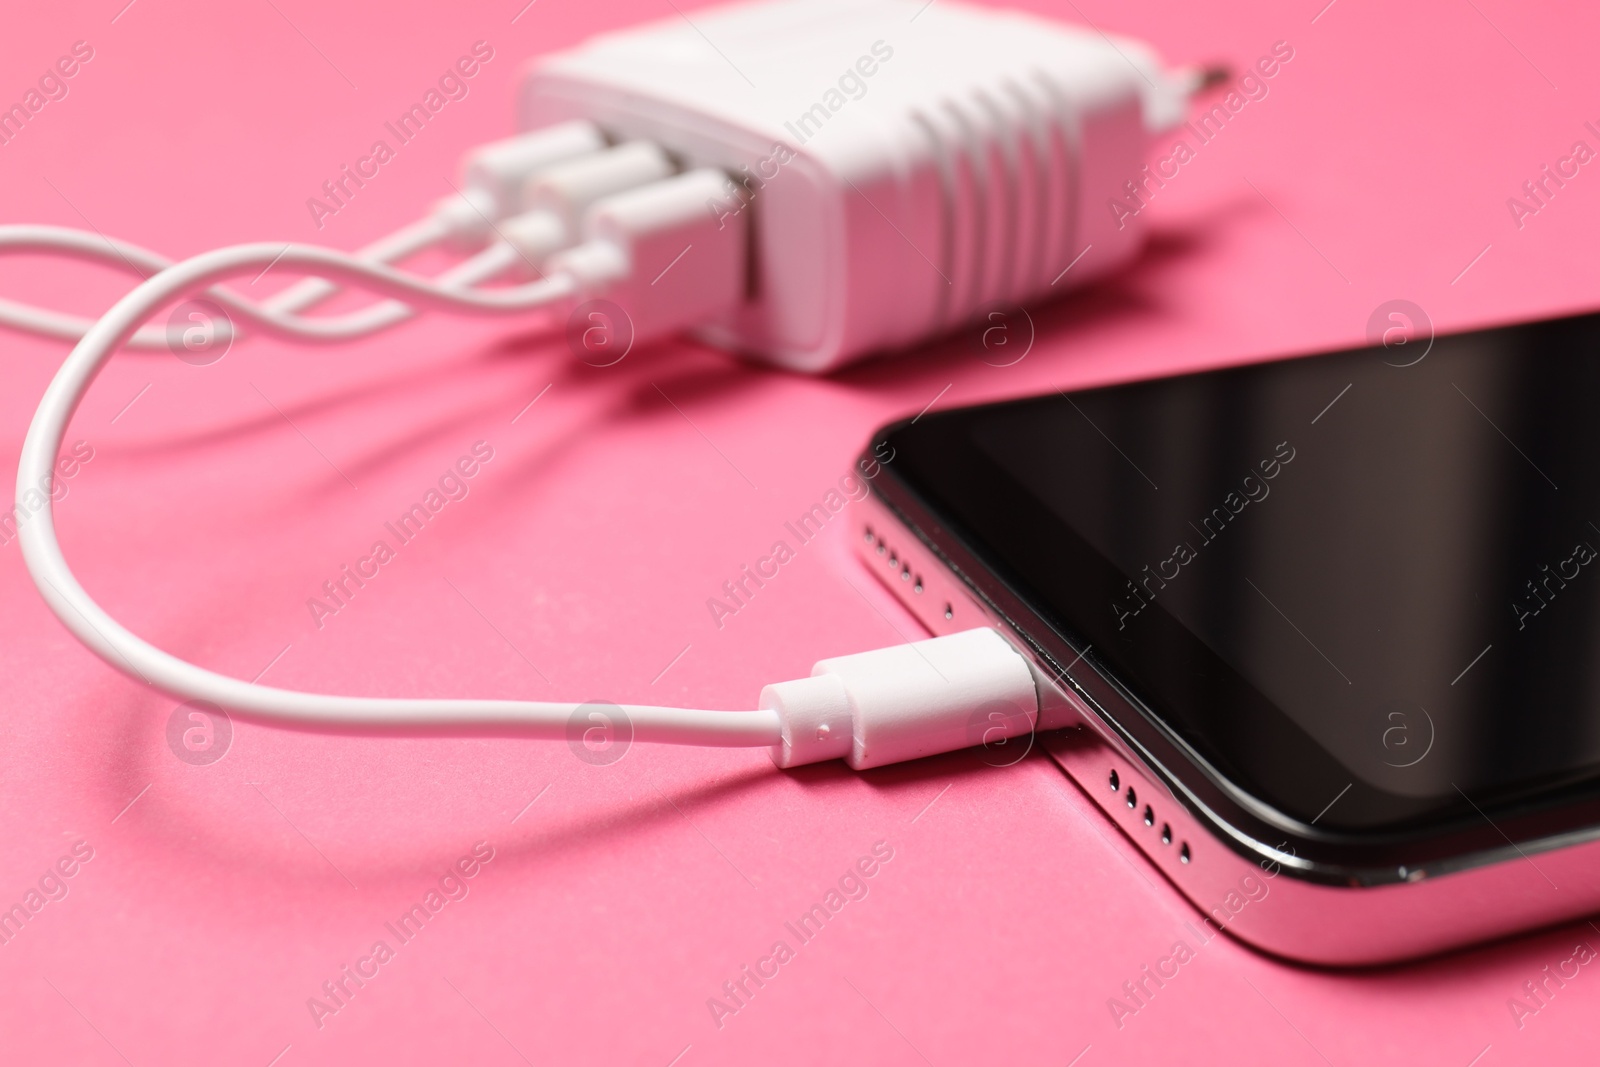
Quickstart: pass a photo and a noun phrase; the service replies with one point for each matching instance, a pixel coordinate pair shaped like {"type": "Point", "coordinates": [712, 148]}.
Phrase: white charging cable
{"type": "Point", "coordinates": [979, 154]}
{"type": "Point", "coordinates": [877, 707]}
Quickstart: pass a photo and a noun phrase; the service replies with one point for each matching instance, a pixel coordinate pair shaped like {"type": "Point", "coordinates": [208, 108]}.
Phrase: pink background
{"type": "Point", "coordinates": [223, 897]}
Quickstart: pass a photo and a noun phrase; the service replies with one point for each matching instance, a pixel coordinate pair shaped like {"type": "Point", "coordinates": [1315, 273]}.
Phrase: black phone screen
{"type": "Point", "coordinates": [1363, 586]}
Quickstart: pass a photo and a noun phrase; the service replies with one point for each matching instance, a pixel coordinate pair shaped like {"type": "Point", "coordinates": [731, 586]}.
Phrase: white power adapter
{"type": "Point", "coordinates": [901, 167]}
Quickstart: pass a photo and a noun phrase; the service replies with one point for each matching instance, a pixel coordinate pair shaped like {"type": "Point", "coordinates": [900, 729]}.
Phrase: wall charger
{"type": "Point", "coordinates": [904, 166]}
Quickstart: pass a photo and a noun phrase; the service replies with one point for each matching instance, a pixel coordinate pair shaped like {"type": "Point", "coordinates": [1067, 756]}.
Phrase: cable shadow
{"type": "Point", "coordinates": [647, 368]}
{"type": "Point", "coordinates": [172, 830]}
{"type": "Point", "coordinates": [382, 385]}
{"type": "Point", "coordinates": [649, 392]}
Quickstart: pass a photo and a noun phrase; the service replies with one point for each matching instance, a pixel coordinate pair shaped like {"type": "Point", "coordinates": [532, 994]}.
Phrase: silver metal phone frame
{"type": "Point", "coordinates": [1252, 889]}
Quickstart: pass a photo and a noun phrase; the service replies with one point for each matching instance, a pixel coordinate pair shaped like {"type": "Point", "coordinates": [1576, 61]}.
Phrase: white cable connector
{"type": "Point", "coordinates": [905, 702]}
{"type": "Point", "coordinates": [656, 251]}
{"type": "Point", "coordinates": [499, 170]}
{"type": "Point", "coordinates": [661, 255]}
{"type": "Point", "coordinates": [493, 176]}
{"type": "Point", "coordinates": [555, 199]}
{"type": "Point", "coordinates": [559, 183]}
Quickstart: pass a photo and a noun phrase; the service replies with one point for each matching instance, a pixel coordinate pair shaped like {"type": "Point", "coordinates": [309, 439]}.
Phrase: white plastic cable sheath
{"type": "Point", "coordinates": [80, 244]}
{"type": "Point", "coordinates": [143, 661]}
{"type": "Point", "coordinates": [83, 245]}
{"type": "Point", "coordinates": [76, 244]}
{"type": "Point", "coordinates": [402, 244]}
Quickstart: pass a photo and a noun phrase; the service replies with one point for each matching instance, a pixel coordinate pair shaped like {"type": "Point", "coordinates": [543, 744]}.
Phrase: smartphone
{"type": "Point", "coordinates": [1321, 635]}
